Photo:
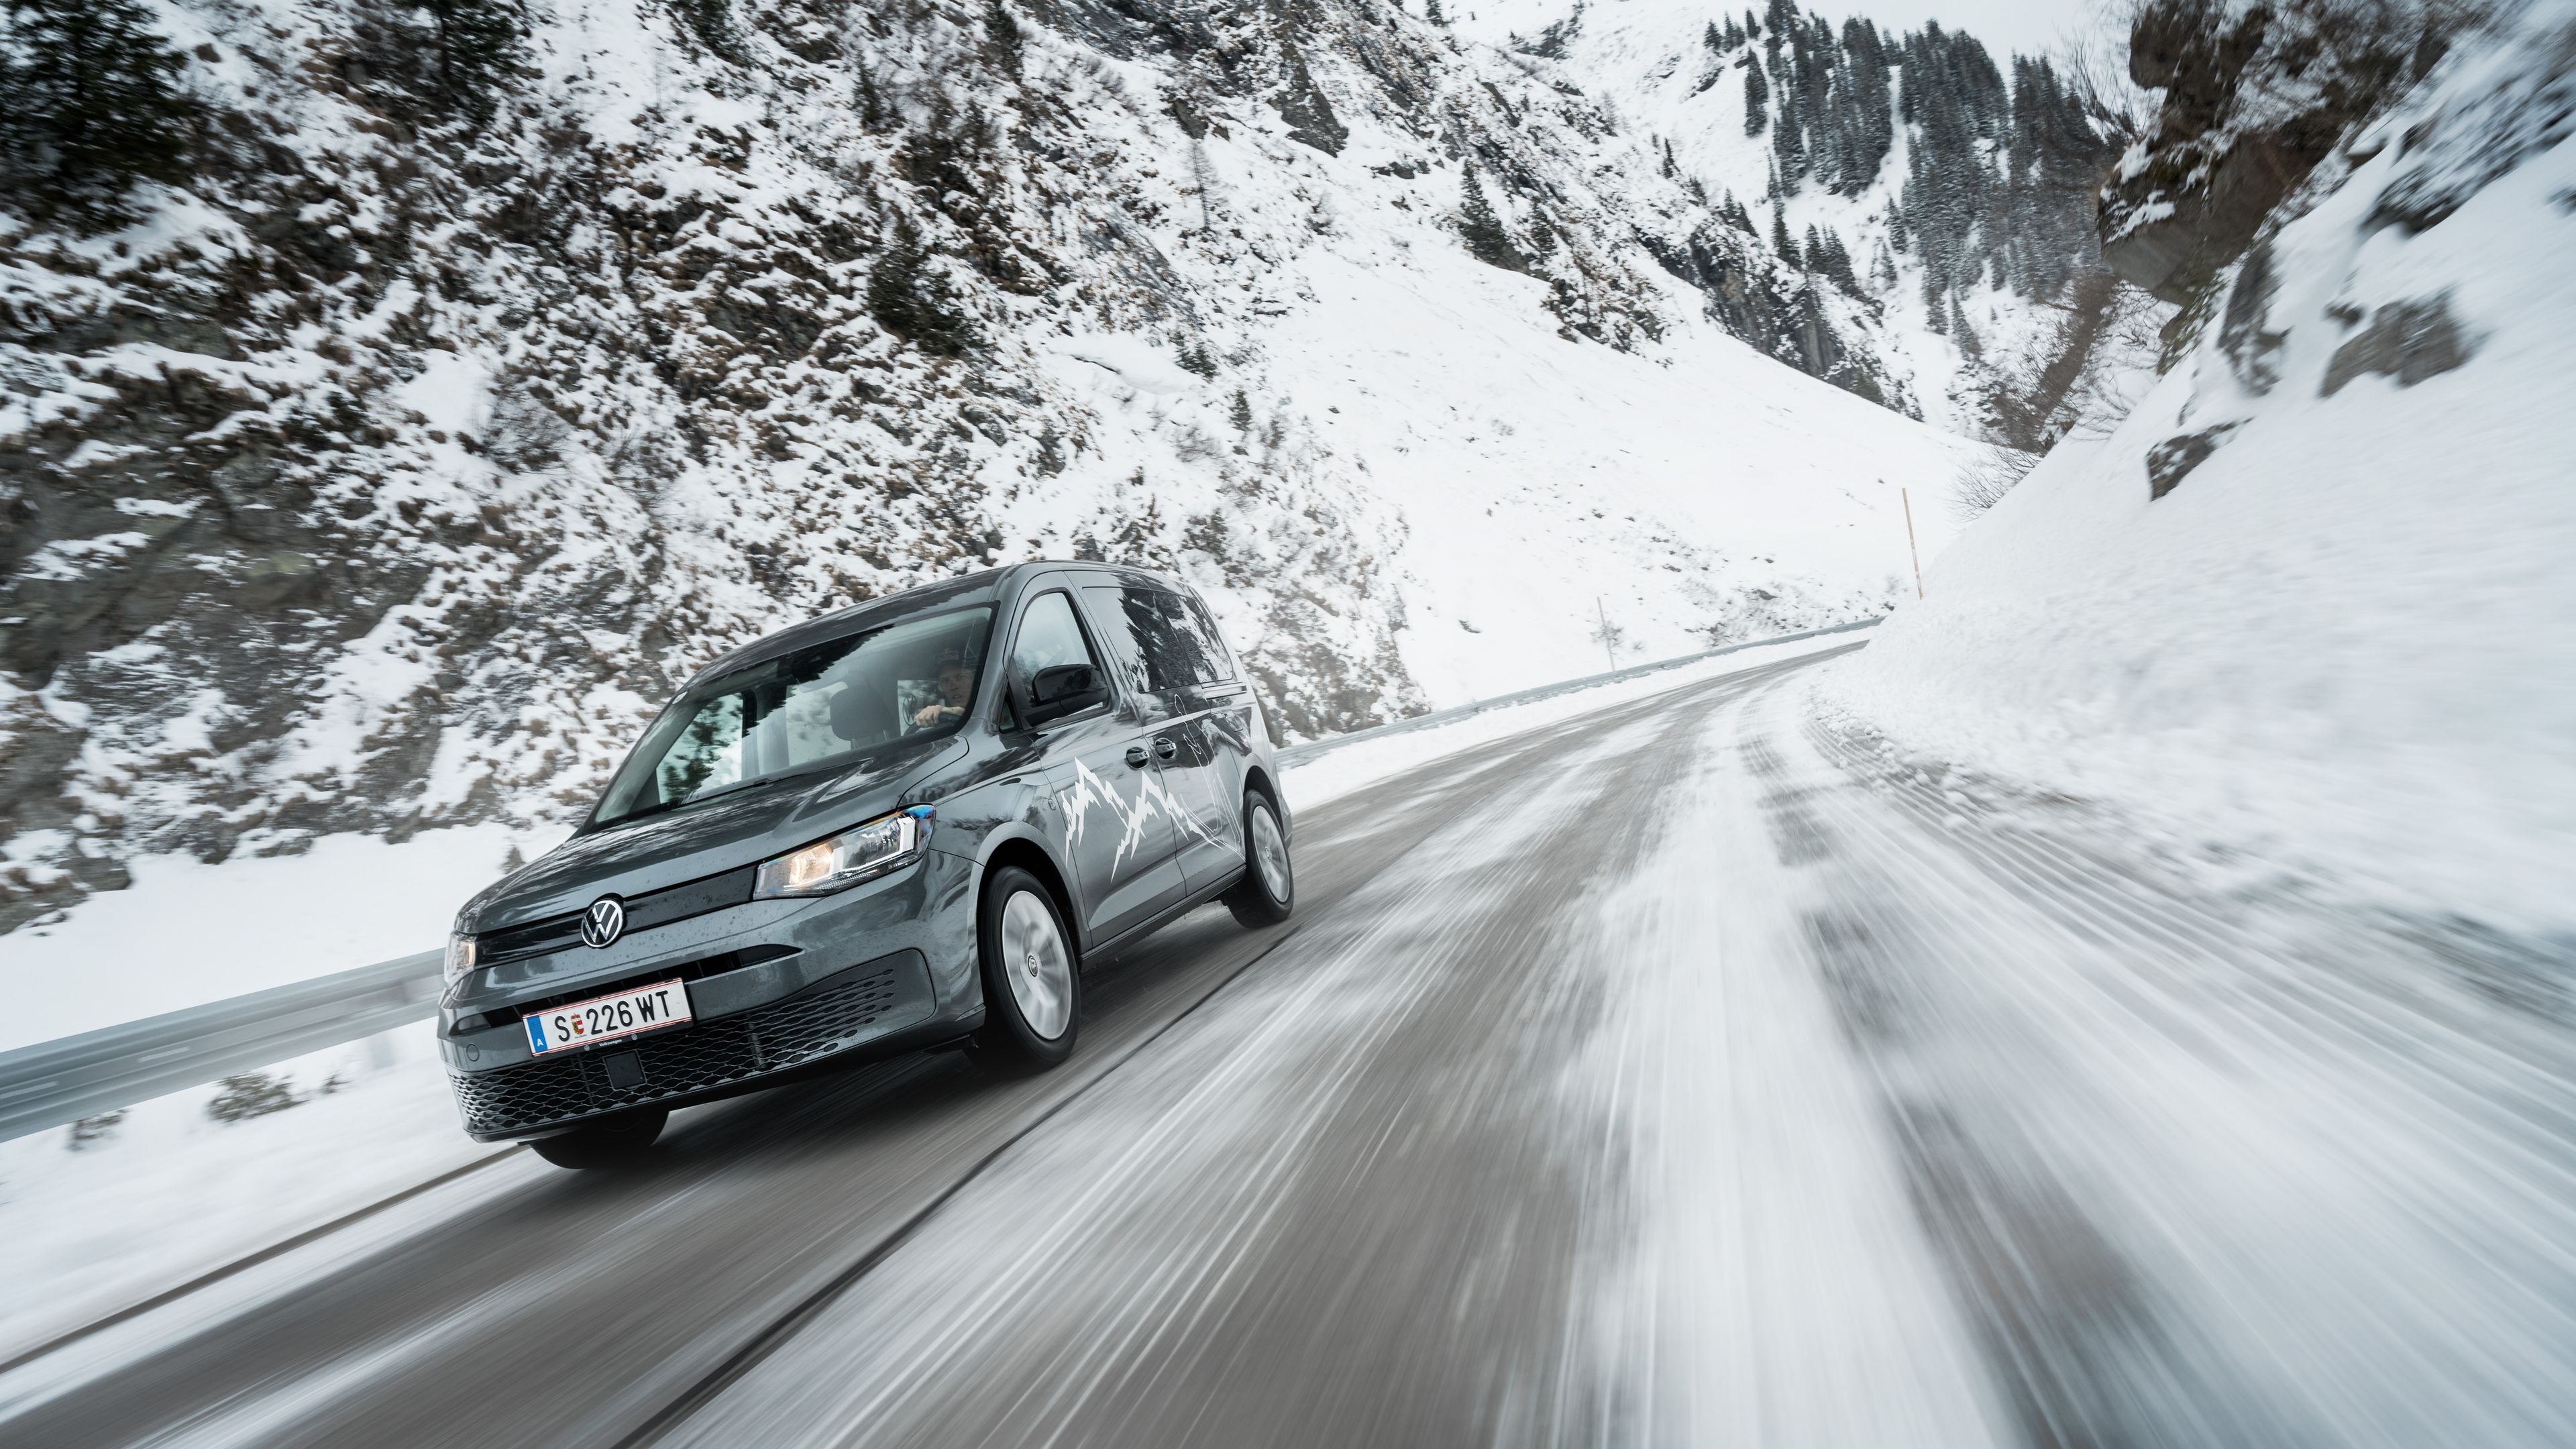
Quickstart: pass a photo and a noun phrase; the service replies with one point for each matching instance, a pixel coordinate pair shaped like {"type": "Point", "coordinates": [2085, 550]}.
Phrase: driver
{"type": "Point", "coordinates": [956, 685]}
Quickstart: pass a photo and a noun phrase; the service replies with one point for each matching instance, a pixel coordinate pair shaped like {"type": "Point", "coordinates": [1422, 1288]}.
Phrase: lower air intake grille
{"type": "Point", "coordinates": [687, 1059]}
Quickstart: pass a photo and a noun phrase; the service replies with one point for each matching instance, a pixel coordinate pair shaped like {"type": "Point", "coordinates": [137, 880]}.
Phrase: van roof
{"type": "Point", "coordinates": [982, 587]}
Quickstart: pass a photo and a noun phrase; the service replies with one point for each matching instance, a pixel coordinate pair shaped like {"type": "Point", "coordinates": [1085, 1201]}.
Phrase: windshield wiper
{"type": "Point", "coordinates": [736, 785]}
{"type": "Point", "coordinates": [666, 806]}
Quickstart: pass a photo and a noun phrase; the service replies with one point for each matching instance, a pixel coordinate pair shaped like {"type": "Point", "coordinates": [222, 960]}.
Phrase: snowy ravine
{"type": "Point", "coordinates": [1946, 190]}
{"type": "Point", "coordinates": [2305, 613]}
{"type": "Point", "coordinates": [383, 477]}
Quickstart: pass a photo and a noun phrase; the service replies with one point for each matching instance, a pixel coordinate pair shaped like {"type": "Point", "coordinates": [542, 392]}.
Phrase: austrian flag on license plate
{"type": "Point", "coordinates": [606, 1018]}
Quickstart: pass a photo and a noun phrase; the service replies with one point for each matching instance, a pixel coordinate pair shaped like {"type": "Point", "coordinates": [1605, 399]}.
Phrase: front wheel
{"type": "Point", "coordinates": [1268, 890]}
{"type": "Point", "coordinates": [613, 1142]}
{"type": "Point", "coordinates": [1032, 991]}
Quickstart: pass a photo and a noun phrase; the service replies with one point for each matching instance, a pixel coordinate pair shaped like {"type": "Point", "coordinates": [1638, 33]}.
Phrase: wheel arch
{"type": "Point", "coordinates": [1257, 777]}
{"type": "Point", "coordinates": [1026, 852]}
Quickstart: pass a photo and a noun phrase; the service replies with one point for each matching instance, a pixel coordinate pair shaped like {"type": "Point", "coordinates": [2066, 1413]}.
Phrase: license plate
{"type": "Point", "coordinates": [606, 1018]}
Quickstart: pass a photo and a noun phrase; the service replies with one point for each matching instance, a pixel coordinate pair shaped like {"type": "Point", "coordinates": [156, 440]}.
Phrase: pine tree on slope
{"type": "Point", "coordinates": [1483, 231]}
{"type": "Point", "coordinates": [478, 47]}
{"type": "Point", "coordinates": [90, 103]}
{"type": "Point", "coordinates": [913, 301]}
{"type": "Point", "coordinates": [1962, 333]}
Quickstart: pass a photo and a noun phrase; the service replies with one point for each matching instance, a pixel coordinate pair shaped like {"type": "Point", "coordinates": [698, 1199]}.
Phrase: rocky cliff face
{"type": "Point", "coordinates": [2254, 96]}
{"type": "Point", "coordinates": [492, 366]}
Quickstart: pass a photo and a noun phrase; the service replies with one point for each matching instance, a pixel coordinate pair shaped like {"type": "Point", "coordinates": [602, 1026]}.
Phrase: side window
{"type": "Point", "coordinates": [1165, 643]}
{"type": "Point", "coordinates": [1130, 635]}
{"type": "Point", "coordinates": [1049, 635]}
{"type": "Point", "coordinates": [1191, 617]}
{"type": "Point", "coordinates": [1177, 655]}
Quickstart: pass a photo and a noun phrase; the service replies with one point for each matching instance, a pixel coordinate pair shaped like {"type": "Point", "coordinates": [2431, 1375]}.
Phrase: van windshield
{"type": "Point", "coordinates": [822, 707]}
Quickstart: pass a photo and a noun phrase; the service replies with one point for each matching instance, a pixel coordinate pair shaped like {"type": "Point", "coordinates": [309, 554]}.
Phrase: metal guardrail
{"type": "Point", "coordinates": [64, 1080]}
{"type": "Point", "coordinates": [56, 1082]}
{"type": "Point", "coordinates": [1317, 749]}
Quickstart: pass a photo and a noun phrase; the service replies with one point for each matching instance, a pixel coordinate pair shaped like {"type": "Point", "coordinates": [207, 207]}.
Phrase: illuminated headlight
{"type": "Point", "coordinates": [847, 858]}
{"type": "Point", "coordinates": [460, 958]}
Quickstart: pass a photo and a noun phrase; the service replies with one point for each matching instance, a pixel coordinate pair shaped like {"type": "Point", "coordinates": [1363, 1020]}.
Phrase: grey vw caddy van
{"type": "Point", "coordinates": [899, 826]}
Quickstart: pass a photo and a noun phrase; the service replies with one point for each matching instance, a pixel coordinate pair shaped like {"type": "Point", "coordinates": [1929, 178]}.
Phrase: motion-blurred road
{"type": "Point", "coordinates": [1689, 1074]}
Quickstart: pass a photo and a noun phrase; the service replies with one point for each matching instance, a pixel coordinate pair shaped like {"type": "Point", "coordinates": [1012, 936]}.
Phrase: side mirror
{"type": "Point", "coordinates": [1062, 689]}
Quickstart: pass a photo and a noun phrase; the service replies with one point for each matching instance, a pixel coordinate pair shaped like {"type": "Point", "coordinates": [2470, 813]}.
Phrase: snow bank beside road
{"type": "Point", "coordinates": [2340, 639]}
{"type": "Point", "coordinates": [186, 933]}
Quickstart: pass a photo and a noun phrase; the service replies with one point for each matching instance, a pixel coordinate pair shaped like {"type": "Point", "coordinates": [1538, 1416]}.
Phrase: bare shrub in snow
{"type": "Point", "coordinates": [252, 1094]}
{"type": "Point", "coordinates": [912, 300]}
{"type": "Point", "coordinates": [95, 1130]}
{"type": "Point", "coordinates": [1611, 635]}
{"type": "Point", "coordinates": [1983, 483]}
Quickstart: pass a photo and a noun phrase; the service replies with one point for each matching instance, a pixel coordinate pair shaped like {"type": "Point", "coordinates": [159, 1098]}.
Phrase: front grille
{"type": "Point", "coordinates": [697, 970]}
{"type": "Point", "coordinates": [654, 908]}
{"type": "Point", "coordinates": [687, 1059]}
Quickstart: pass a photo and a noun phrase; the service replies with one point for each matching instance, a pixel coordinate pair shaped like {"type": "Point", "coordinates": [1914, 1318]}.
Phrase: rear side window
{"type": "Point", "coordinates": [1170, 649]}
{"type": "Point", "coordinates": [1211, 644]}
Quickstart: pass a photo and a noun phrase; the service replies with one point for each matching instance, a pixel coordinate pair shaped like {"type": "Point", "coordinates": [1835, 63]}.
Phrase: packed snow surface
{"type": "Point", "coordinates": [166, 1191]}
{"type": "Point", "coordinates": [1365, 762]}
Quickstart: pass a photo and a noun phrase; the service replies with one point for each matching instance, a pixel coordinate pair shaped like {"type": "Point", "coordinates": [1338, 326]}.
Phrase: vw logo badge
{"type": "Point", "coordinates": [604, 922]}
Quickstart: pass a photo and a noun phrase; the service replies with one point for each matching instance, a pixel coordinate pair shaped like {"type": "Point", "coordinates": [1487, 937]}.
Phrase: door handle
{"type": "Point", "coordinates": [1164, 749]}
{"type": "Point", "coordinates": [1136, 756]}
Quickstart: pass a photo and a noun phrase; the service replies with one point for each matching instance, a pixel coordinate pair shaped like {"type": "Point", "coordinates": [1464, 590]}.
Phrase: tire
{"type": "Point", "coordinates": [616, 1142]}
{"type": "Point", "coordinates": [1268, 890]}
{"type": "Point", "coordinates": [1032, 976]}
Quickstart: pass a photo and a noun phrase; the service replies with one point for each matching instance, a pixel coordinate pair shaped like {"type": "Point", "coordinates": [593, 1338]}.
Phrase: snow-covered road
{"type": "Point", "coordinates": [1684, 1074]}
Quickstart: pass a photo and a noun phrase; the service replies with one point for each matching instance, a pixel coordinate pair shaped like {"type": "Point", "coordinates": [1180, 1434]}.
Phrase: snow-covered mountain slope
{"type": "Point", "coordinates": [2314, 596]}
{"type": "Point", "coordinates": [470, 384]}
{"type": "Point", "coordinates": [1950, 190]}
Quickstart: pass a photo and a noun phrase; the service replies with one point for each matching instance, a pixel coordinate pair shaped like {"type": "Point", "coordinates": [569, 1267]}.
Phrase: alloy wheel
{"type": "Point", "coordinates": [1270, 852]}
{"type": "Point", "coordinates": [1037, 965]}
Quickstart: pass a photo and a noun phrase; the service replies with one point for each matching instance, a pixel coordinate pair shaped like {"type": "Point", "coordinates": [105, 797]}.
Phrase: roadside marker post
{"type": "Point", "coordinates": [1910, 550]}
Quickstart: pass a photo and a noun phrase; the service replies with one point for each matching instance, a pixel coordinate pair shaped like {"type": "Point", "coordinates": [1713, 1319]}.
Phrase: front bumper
{"type": "Point", "coordinates": [872, 1003]}
{"type": "Point", "coordinates": [774, 987]}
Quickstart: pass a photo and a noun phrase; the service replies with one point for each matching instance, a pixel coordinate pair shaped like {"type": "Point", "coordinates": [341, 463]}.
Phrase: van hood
{"type": "Point", "coordinates": [727, 833]}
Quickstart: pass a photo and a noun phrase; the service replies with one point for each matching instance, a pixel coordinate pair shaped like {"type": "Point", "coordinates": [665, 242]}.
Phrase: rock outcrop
{"type": "Point", "coordinates": [2254, 95]}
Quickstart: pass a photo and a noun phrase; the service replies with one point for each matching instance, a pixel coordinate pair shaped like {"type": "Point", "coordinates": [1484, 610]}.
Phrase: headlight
{"type": "Point", "coordinates": [847, 858]}
{"type": "Point", "coordinates": [460, 958]}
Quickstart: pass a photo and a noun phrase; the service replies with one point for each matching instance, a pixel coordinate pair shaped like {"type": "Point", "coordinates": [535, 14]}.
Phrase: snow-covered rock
{"type": "Point", "coordinates": [2337, 643]}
